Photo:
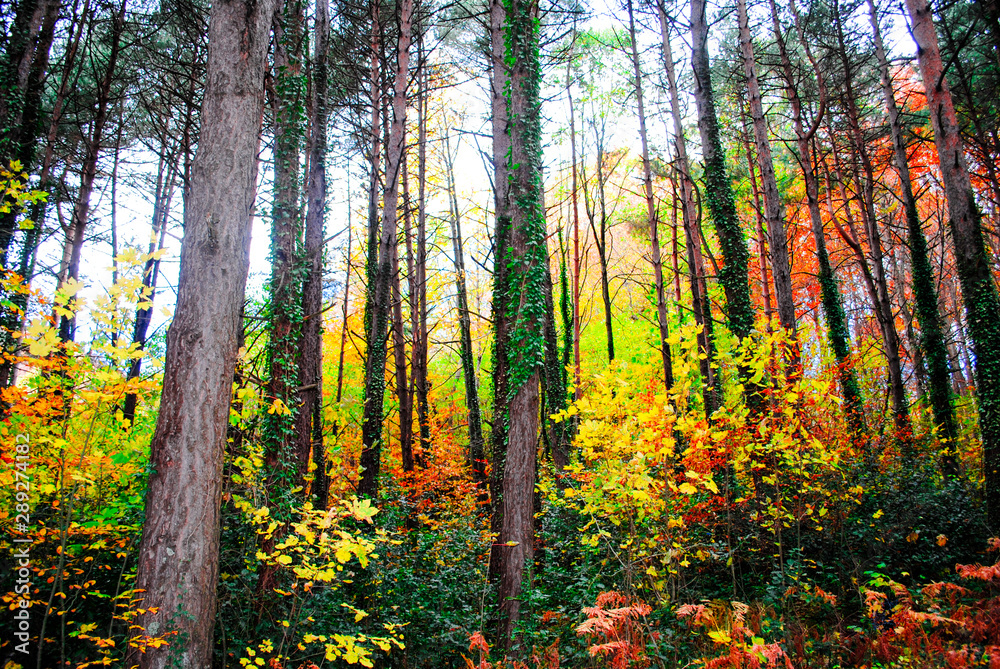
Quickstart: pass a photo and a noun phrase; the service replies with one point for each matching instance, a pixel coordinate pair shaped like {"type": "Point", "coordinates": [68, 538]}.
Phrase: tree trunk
{"type": "Point", "coordinates": [279, 430]}
{"type": "Point", "coordinates": [374, 163]}
{"type": "Point", "coordinates": [24, 72]}
{"type": "Point", "coordinates": [178, 557]}
{"type": "Point", "coordinates": [399, 359]}
{"type": "Point", "coordinates": [371, 427]}
{"type": "Point", "coordinates": [700, 302]}
{"type": "Point", "coordinates": [932, 341]}
{"type": "Point", "coordinates": [601, 236]}
{"type": "Point", "coordinates": [833, 306]}
{"type": "Point", "coordinates": [81, 211]}
{"type": "Point", "coordinates": [420, 333]}
{"type": "Point", "coordinates": [309, 426]}
{"type": "Point", "coordinates": [864, 190]}
{"type": "Point", "coordinates": [576, 240]}
{"type": "Point", "coordinates": [413, 302]}
{"type": "Point", "coordinates": [774, 209]}
{"type": "Point", "coordinates": [519, 299]}
{"type": "Point", "coordinates": [284, 465]}
{"type": "Point", "coordinates": [499, 80]}
{"type": "Point", "coordinates": [651, 215]}
{"type": "Point", "coordinates": [982, 305]}
{"type": "Point", "coordinates": [477, 449]}
{"type": "Point", "coordinates": [555, 434]}
{"type": "Point", "coordinates": [758, 210]}
{"type": "Point", "coordinates": [39, 210]}
{"type": "Point", "coordinates": [162, 198]}
{"type": "Point", "coordinates": [719, 196]}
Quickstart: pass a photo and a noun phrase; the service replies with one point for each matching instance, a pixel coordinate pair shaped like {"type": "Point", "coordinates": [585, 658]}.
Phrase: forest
{"type": "Point", "coordinates": [500, 334]}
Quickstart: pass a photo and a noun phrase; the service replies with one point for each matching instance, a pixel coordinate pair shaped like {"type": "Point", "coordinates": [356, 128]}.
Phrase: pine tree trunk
{"type": "Point", "coordinates": [371, 427]}
{"type": "Point", "coordinates": [833, 307]}
{"type": "Point", "coordinates": [285, 465]}
{"type": "Point", "coordinates": [399, 359]}
{"type": "Point", "coordinates": [420, 345]}
{"type": "Point", "coordinates": [575, 320]}
{"type": "Point", "coordinates": [774, 209]}
{"type": "Point", "coordinates": [982, 305]}
{"type": "Point", "coordinates": [499, 80]}
{"type": "Point", "coordinates": [651, 215]}
{"type": "Point", "coordinates": [519, 302]}
{"type": "Point", "coordinates": [935, 353]}
{"type": "Point", "coordinates": [309, 428]}
{"type": "Point", "coordinates": [178, 556]}
{"type": "Point", "coordinates": [719, 196]}
{"type": "Point", "coordinates": [700, 302]}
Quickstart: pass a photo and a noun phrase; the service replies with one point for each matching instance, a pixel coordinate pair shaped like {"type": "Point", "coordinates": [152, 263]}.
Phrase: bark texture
{"type": "Point", "coordinates": [718, 193]}
{"type": "Point", "coordinates": [932, 341]}
{"type": "Point", "coordinates": [774, 208]}
{"type": "Point", "coordinates": [700, 302]}
{"type": "Point", "coordinates": [652, 219]}
{"type": "Point", "coordinates": [519, 302]}
{"type": "Point", "coordinates": [309, 425]}
{"type": "Point", "coordinates": [979, 293]}
{"type": "Point", "coordinates": [371, 426]}
{"type": "Point", "coordinates": [178, 558]}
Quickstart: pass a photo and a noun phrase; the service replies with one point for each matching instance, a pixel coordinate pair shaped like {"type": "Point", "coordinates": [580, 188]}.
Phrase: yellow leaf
{"type": "Point", "coordinates": [687, 488]}
{"type": "Point", "coordinates": [878, 514]}
{"type": "Point", "coordinates": [720, 636]}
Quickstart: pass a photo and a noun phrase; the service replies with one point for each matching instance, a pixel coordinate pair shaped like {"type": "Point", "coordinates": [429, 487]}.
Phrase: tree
{"type": "Point", "coordinates": [73, 246]}
{"type": "Point", "coordinates": [719, 193]}
{"type": "Point", "coordinates": [309, 426]}
{"type": "Point", "coordinates": [833, 306]}
{"type": "Point", "coordinates": [521, 264]}
{"type": "Point", "coordinates": [380, 289]}
{"type": "Point", "coordinates": [935, 353]}
{"type": "Point", "coordinates": [179, 551]}
{"type": "Point", "coordinates": [774, 209]}
{"type": "Point", "coordinates": [700, 301]}
{"type": "Point", "coordinates": [979, 292]}
{"type": "Point", "coordinates": [652, 221]}
{"type": "Point", "coordinates": [862, 171]}
{"type": "Point", "coordinates": [477, 449]}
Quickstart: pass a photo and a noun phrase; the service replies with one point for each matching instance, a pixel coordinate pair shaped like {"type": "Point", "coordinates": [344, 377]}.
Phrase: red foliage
{"type": "Point", "coordinates": [617, 624]}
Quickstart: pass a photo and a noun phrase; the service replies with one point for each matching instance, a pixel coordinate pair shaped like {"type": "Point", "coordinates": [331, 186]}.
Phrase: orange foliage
{"type": "Point", "coordinates": [617, 624]}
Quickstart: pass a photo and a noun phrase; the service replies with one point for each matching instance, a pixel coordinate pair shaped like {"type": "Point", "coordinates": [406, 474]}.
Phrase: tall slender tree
{"type": "Point", "coordinates": [979, 292]}
{"type": "Point", "coordinates": [309, 425]}
{"type": "Point", "coordinates": [833, 307]}
{"type": "Point", "coordinates": [700, 302]}
{"type": "Point", "coordinates": [774, 208]}
{"type": "Point", "coordinates": [75, 234]}
{"type": "Point", "coordinates": [932, 341]}
{"type": "Point", "coordinates": [718, 193]}
{"type": "Point", "coordinates": [178, 557]}
{"type": "Point", "coordinates": [652, 218]}
{"type": "Point", "coordinates": [371, 427]}
{"type": "Point", "coordinates": [521, 263]}
{"type": "Point", "coordinates": [477, 449]}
